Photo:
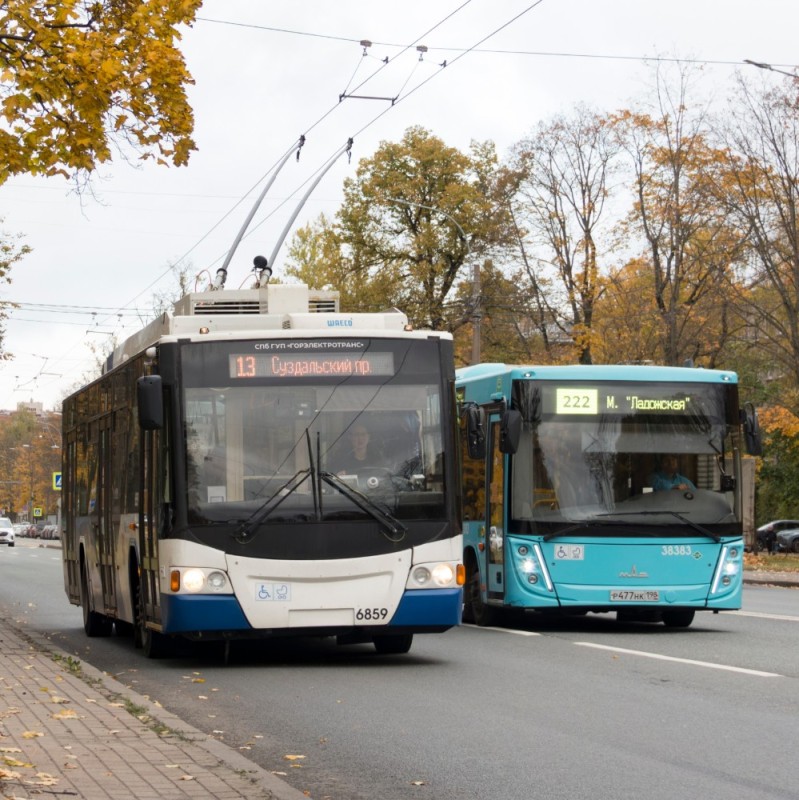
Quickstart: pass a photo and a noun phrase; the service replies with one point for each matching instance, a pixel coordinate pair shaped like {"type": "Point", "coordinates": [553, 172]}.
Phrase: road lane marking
{"type": "Point", "coordinates": [760, 615]}
{"type": "Point", "coordinates": [708, 664]}
{"type": "Point", "coordinates": [501, 630]}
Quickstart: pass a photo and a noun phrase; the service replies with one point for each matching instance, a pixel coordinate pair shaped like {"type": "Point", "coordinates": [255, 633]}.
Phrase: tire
{"type": "Point", "coordinates": [94, 624]}
{"type": "Point", "coordinates": [678, 617]}
{"type": "Point", "coordinates": [794, 545]}
{"type": "Point", "coordinates": [152, 643]}
{"type": "Point", "coordinates": [396, 644]}
{"type": "Point", "coordinates": [474, 607]}
{"type": "Point", "coordinates": [155, 644]}
{"type": "Point", "coordinates": [11, 544]}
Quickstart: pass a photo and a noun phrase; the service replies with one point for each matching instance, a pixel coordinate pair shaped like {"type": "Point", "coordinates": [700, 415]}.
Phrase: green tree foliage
{"type": "Point", "coordinates": [79, 75]}
{"type": "Point", "coordinates": [414, 219]}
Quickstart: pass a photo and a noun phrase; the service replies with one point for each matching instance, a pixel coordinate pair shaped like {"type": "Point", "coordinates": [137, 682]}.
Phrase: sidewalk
{"type": "Point", "coordinates": [70, 731]}
{"type": "Point", "coordinates": [758, 578]}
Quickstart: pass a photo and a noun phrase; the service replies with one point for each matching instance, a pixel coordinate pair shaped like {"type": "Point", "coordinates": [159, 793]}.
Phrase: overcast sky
{"type": "Point", "coordinates": [267, 72]}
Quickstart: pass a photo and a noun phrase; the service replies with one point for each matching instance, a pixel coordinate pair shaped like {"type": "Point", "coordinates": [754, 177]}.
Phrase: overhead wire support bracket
{"type": "Point", "coordinates": [345, 96]}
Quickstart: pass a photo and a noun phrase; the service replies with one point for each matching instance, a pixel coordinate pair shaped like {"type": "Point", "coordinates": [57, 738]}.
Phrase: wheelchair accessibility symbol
{"type": "Point", "coordinates": [280, 592]}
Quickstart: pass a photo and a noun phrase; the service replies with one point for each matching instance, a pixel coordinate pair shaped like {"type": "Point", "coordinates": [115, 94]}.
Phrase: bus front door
{"type": "Point", "coordinates": [495, 514]}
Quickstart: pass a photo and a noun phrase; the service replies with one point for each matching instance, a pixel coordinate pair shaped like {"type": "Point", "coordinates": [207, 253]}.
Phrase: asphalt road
{"type": "Point", "coordinates": [577, 709]}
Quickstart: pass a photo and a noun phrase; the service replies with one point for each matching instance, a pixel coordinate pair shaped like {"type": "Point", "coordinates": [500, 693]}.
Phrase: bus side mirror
{"type": "Point", "coordinates": [754, 442]}
{"type": "Point", "coordinates": [510, 431]}
{"type": "Point", "coordinates": [475, 431]}
{"type": "Point", "coordinates": [151, 402]}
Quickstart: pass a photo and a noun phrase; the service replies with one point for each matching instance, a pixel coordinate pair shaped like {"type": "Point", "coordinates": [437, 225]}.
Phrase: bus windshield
{"type": "Point", "coordinates": [270, 431]}
{"type": "Point", "coordinates": [626, 456]}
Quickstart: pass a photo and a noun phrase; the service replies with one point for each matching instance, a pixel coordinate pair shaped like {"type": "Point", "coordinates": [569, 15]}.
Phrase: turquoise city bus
{"type": "Point", "coordinates": [602, 489]}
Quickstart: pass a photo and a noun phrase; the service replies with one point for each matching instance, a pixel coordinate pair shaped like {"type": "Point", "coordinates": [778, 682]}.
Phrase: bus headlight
{"type": "Point", "coordinates": [217, 581]}
{"type": "Point", "coordinates": [195, 580]}
{"type": "Point", "coordinates": [728, 570]}
{"type": "Point", "coordinates": [443, 575]}
{"type": "Point", "coordinates": [421, 575]}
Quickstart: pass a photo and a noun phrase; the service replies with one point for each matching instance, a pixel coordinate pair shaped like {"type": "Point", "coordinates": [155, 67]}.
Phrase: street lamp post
{"type": "Point", "coordinates": [30, 475]}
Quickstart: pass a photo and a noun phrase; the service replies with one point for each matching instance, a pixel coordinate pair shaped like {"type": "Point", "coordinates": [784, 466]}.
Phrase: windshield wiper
{"type": "Point", "coordinates": [585, 523]}
{"type": "Point", "coordinates": [695, 525]}
{"type": "Point", "coordinates": [394, 526]}
{"type": "Point", "coordinates": [245, 530]}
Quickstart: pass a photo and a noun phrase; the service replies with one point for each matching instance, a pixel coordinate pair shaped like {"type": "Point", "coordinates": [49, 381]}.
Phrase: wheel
{"type": "Point", "coordinates": [396, 644]}
{"type": "Point", "coordinates": [152, 643]}
{"type": "Point", "coordinates": [794, 545]}
{"type": "Point", "coordinates": [11, 544]}
{"type": "Point", "coordinates": [474, 607]}
{"type": "Point", "coordinates": [94, 624]}
{"type": "Point", "coordinates": [678, 617]}
{"type": "Point", "coordinates": [155, 644]}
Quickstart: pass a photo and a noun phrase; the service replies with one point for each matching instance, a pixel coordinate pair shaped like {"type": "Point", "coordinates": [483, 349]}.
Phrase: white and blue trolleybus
{"type": "Point", "coordinates": [209, 490]}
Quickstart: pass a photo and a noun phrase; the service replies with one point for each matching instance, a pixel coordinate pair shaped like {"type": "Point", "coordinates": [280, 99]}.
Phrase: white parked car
{"type": "Point", "coordinates": [6, 531]}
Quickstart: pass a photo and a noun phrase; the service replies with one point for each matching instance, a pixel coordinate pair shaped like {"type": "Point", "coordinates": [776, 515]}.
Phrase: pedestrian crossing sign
{"type": "Point", "coordinates": [57, 481]}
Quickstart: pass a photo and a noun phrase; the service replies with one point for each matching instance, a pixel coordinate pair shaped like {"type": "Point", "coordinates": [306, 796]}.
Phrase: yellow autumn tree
{"type": "Point", "coordinates": [79, 77]}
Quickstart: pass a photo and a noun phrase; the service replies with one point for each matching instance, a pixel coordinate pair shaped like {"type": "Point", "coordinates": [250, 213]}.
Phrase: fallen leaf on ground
{"type": "Point", "coordinates": [13, 762]}
{"type": "Point", "coordinates": [9, 775]}
{"type": "Point", "coordinates": [67, 713]}
{"type": "Point", "coordinates": [45, 779]}
{"type": "Point", "coordinates": [32, 734]}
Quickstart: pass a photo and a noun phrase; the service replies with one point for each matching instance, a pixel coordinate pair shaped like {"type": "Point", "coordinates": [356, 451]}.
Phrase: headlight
{"type": "Point", "coordinates": [421, 575]}
{"type": "Point", "coordinates": [443, 574]}
{"type": "Point", "coordinates": [217, 580]}
{"type": "Point", "coordinates": [440, 575]}
{"type": "Point", "coordinates": [193, 580]}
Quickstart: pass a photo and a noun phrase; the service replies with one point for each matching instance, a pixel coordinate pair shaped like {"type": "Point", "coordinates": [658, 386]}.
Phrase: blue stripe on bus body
{"type": "Point", "coordinates": [418, 608]}
{"type": "Point", "coordinates": [202, 612]}
{"type": "Point", "coordinates": [429, 607]}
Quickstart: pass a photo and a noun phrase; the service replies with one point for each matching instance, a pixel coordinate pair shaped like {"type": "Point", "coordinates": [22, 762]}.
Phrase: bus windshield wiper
{"type": "Point", "coordinates": [394, 526]}
{"type": "Point", "coordinates": [695, 525]}
{"type": "Point", "coordinates": [245, 530]}
{"type": "Point", "coordinates": [583, 523]}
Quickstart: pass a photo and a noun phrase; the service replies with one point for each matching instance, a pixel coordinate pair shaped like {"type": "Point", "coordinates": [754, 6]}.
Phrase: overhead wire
{"type": "Point", "coordinates": [491, 51]}
{"type": "Point", "coordinates": [398, 100]}
{"type": "Point", "coordinates": [307, 130]}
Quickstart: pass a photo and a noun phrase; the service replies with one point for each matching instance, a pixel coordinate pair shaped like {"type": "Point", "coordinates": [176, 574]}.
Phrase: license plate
{"type": "Point", "coordinates": [634, 596]}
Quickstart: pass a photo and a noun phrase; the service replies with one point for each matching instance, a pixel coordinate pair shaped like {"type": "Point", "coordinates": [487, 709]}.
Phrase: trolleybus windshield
{"type": "Point", "coordinates": [264, 420]}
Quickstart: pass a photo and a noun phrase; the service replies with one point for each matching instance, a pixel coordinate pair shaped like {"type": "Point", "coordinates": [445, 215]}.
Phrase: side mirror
{"type": "Point", "coordinates": [475, 431]}
{"type": "Point", "coordinates": [752, 437]}
{"type": "Point", "coordinates": [151, 402]}
{"type": "Point", "coordinates": [510, 431]}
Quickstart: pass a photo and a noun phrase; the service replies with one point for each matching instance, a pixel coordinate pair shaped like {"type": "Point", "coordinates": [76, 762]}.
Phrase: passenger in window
{"type": "Point", "coordinates": [668, 478]}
